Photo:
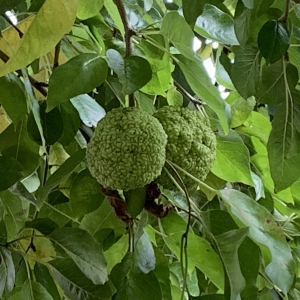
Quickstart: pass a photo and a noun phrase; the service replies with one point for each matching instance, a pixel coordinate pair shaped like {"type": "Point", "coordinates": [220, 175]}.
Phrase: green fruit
{"type": "Point", "coordinates": [127, 150]}
{"type": "Point", "coordinates": [191, 144]}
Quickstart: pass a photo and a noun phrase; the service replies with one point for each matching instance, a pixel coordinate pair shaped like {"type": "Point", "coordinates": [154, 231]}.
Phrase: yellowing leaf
{"type": "Point", "coordinates": [54, 19]}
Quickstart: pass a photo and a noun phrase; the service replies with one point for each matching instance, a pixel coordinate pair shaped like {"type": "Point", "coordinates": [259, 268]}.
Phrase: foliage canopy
{"type": "Point", "coordinates": [64, 65]}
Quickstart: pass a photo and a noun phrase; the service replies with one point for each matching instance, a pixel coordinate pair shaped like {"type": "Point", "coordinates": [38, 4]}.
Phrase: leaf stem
{"type": "Point", "coordinates": [38, 85]}
{"type": "Point", "coordinates": [13, 25]}
{"type": "Point", "coordinates": [129, 32]}
{"type": "Point", "coordinates": [186, 94]}
{"type": "Point", "coordinates": [60, 212]}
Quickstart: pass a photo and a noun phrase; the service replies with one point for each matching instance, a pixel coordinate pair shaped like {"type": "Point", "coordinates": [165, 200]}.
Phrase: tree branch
{"type": "Point", "coordinates": [36, 84]}
{"type": "Point", "coordinates": [186, 94]}
{"type": "Point", "coordinates": [129, 32]}
{"type": "Point", "coordinates": [286, 13]}
{"type": "Point", "coordinates": [56, 56]}
{"type": "Point", "coordinates": [13, 25]}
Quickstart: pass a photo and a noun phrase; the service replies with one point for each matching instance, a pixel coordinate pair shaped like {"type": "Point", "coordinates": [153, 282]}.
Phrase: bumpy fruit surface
{"type": "Point", "coordinates": [191, 144]}
{"type": "Point", "coordinates": [127, 150]}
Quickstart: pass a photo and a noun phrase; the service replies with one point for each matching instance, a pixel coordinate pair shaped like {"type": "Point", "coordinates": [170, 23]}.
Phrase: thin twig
{"type": "Point", "coordinates": [286, 13]}
{"type": "Point", "coordinates": [56, 56]}
{"type": "Point", "coordinates": [184, 238]}
{"type": "Point", "coordinates": [13, 25]}
{"type": "Point", "coordinates": [36, 84]}
{"type": "Point", "coordinates": [186, 94]}
{"type": "Point", "coordinates": [129, 32]}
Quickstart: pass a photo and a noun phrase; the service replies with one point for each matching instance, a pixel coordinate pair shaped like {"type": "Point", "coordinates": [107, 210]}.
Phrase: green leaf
{"type": "Point", "coordinates": [51, 123]}
{"type": "Point", "coordinates": [272, 88]}
{"type": "Point", "coordinates": [174, 97]}
{"type": "Point", "coordinates": [90, 260]}
{"type": "Point", "coordinates": [7, 272]}
{"type": "Point", "coordinates": [284, 142]}
{"type": "Point", "coordinates": [133, 71]}
{"type": "Point", "coordinates": [53, 20]}
{"type": "Point", "coordinates": [6, 5]}
{"type": "Point", "coordinates": [162, 273]}
{"type": "Point", "coordinates": [191, 10]}
{"type": "Point", "coordinates": [15, 213]}
{"type": "Point", "coordinates": [103, 217]}
{"type": "Point", "coordinates": [89, 9]}
{"type": "Point", "coordinates": [89, 110]}
{"type": "Point", "coordinates": [273, 41]}
{"type": "Point", "coordinates": [71, 121]}
{"type": "Point", "coordinates": [144, 254]}
{"type": "Point", "coordinates": [200, 83]}
{"type": "Point", "coordinates": [200, 252]}
{"type": "Point", "coordinates": [232, 159]}
{"type": "Point", "coordinates": [113, 12]}
{"type": "Point", "coordinates": [64, 170]}
{"type": "Point", "coordinates": [20, 190]}
{"type": "Point", "coordinates": [240, 108]}
{"type": "Point", "coordinates": [242, 22]}
{"type": "Point", "coordinates": [228, 244]}
{"type": "Point", "coordinates": [135, 201]}
{"type": "Point", "coordinates": [256, 125]}
{"type": "Point", "coordinates": [265, 231]}
{"type": "Point", "coordinates": [75, 284]}
{"type": "Point", "coordinates": [15, 143]}
{"type": "Point", "coordinates": [10, 172]}
{"type": "Point", "coordinates": [214, 24]}
{"type": "Point", "coordinates": [43, 225]}
{"type": "Point", "coordinates": [175, 28]}
{"type": "Point", "coordinates": [12, 97]}
{"type": "Point", "coordinates": [245, 71]}
{"type": "Point", "coordinates": [132, 283]}
{"type": "Point", "coordinates": [79, 75]}
{"type": "Point", "coordinates": [249, 258]}
{"type": "Point", "coordinates": [42, 276]}
{"type": "Point", "coordinates": [85, 195]}
{"type": "Point", "coordinates": [32, 290]}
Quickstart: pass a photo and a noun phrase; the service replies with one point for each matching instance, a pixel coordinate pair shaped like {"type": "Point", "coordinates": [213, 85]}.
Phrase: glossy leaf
{"type": "Point", "coordinates": [179, 33]}
{"type": "Point", "coordinates": [79, 75]}
{"type": "Point", "coordinates": [15, 213]}
{"type": "Point", "coordinates": [65, 169]}
{"type": "Point", "coordinates": [273, 41]}
{"type": "Point", "coordinates": [12, 97]}
{"type": "Point", "coordinates": [245, 71]}
{"type": "Point", "coordinates": [133, 71]}
{"type": "Point", "coordinates": [7, 271]}
{"type": "Point", "coordinates": [85, 195]}
{"type": "Point", "coordinates": [214, 24]}
{"type": "Point", "coordinates": [44, 277]}
{"type": "Point", "coordinates": [88, 9]}
{"type": "Point", "coordinates": [200, 83]}
{"type": "Point", "coordinates": [265, 231]}
{"type": "Point", "coordinates": [272, 88]}
{"type": "Point", "coordinates": [284, 142]}
{"type": "Point", "coordinates": [133, 284]}
{"type": "Point", "coordinates": [10, 172]}
{"type": "Point", "coordinates": [51, 124]}
{"type": "Point", "coordinates": [54, 19]}
{"type": "Point", "coordinates": [75, 284]}
{"type": "Point", "coordinates": [90, 260]}
{"type": "Point", "coordinates": [228, 245]}
{"type": "Point", "coordinates": [16, 144]}
{"type": "Point", "coordinates": [144, 254]}
{"type": "Point", "coordinates": [89, 110]}
{"type": "Point", "coordinates": [43, 225]}
{"type": "Point", "coordinates": [232, 161]}
{"type": "Point", "coordinates": [135, 201]}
